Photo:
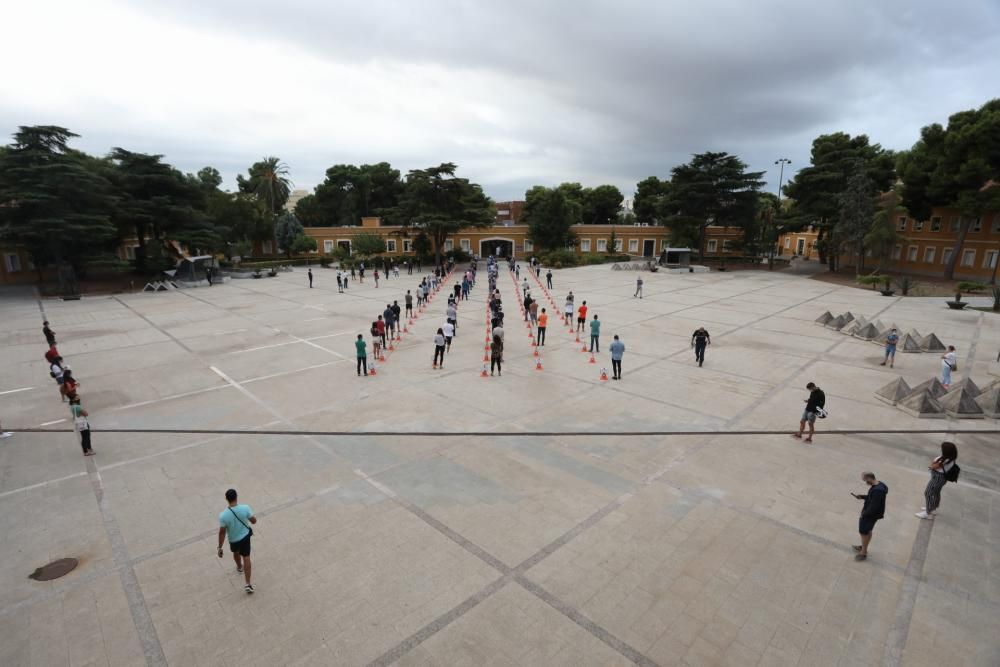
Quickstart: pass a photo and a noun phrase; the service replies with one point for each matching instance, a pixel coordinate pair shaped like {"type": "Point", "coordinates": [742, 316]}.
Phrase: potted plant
{"type": "Point", "coordinates": [886, 284]}
{"type": "Point", "coordinates": [256, 273]}
{"type": "Point", "coordinates": [904, 284]}
{"type": "Point", "coordinates": [957, 304]}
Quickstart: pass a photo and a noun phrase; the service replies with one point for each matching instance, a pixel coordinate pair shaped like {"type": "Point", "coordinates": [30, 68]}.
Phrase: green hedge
{"type": "Point", "coordinates": [567, 258]}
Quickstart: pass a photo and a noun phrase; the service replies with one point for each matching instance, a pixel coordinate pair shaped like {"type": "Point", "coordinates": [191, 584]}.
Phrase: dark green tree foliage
{"type": "Point", "coordinates": [351, 192]}
{"type": "Point", "coordinates": [56, 201]}
{"type": "Point", "coordinates": [711, 189]}
{"type": "Point", "coordinates": [287, 228]}
{"type": "Point", "coordinates": [650, 194]}
{"type": "Point", "coordinates": [158, 203]}
{"type": "Point", "coordinates": [309, 212]}
{"type": "Point", "coordinates": [439, 203]}
{"type": "Point", "coordinates": [210, 178]}
{"type": "Point", "coordinates": [239, 217]}
{"type": "Point", "coordinates": [601, 205]}
{"type": "Point", "coordinates": [422, 245]}
{"type": "Point", "coordinates": [883, 237]}
{"type": "Point", "coordinates": [550, 215]}
{"type": "Point", "coordinates": [857, 211]}
{"type": "Point", "coordinates": [367, 244]}
{"type": "Point", "coordinates": [957, 166]}
{"type": "Point", "coordinates": [817, 188]}
{"type": "Point", "coordinates": [304, 244]}
{"type": "Point", "coordinates": [268, 181]}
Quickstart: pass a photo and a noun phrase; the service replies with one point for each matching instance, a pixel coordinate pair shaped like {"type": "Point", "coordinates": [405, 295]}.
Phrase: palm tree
{"type": "Point", "coordinates": [269, 182]}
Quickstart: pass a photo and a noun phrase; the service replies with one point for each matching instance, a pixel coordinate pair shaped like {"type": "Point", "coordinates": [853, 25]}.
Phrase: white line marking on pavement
{"type": "Point", "coordinates": [14, 391]}
{"type": "Point", "coordinates": [223, 333]}
{"type": "Point", "coordinates": [57, 421]}
{"type": "Point", "coordinates": [41, 484]}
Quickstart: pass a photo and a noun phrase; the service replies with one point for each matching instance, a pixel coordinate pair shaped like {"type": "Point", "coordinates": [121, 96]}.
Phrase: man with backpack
{"type": "Point", "coordinates": [814, 408]}
{"type": "Point", "coordinates": [233, 522]}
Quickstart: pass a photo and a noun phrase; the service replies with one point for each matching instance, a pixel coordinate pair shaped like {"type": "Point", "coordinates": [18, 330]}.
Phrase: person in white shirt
{"type": "Point", "coordinates": [438, 349]}
{"type": "Point", "coordinates": [949, 362]}
{"type": "Point", "coordinates": [449, 333]}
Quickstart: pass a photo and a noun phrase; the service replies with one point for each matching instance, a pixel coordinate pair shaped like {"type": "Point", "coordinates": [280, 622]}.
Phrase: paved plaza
{"type": "Point", "coordinates": [503, 547]}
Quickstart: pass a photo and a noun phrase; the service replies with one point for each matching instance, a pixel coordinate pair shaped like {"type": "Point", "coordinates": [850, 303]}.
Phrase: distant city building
{"type": "Point", "coordinates": [294, 198]}
{"type": "Point", "coordinates": [509, 212]}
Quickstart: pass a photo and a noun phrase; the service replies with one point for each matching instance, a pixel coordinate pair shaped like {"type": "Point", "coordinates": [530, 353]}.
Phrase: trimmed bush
{"type": "Point", "coordinates": [970, 286]}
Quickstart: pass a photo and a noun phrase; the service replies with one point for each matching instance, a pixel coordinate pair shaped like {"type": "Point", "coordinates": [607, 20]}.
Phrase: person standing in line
{"type": "Point", "coordinates": [949, 363]}
{"type": "Point", "coordinates": [439, 342]}
{"type": "Point", "coordinates": [427, 290]}
{"type": "Point", "coordinates": [517, 272]}
{"type": "Point", "coordinates": [496, 354]}
{"type": "Point", "coordinates": [340, 283]}
{"type": "Point", "coordinates": [310, 278]}
{"type": "Point", "coordinates": [458, 290]}
{"type": "Point", "coordinates": [361, 273]}
{"type": "Point", "coordinates": [409, 267]}
{"type": "Point", "coordinates": [524, 287]}
{"type": "Point", "coordinates": [361, 351]}
{"type": "Point", "coordinates": [548, 279]}
{"type": "Point", "coordinates": [375, 276]}
{"type": "Point", "coordinates": [527, 305]}
{"type": "Point", "coordinates": [380, 327]}
{"type": "Point", "coordinates": [57, 372]}
{"type": "Point", "coordinates": [50, 335]}
{"type": "Point", "coordinates": [617, 349]}
{"type": "Point", "coordinates": [943, 469]}
{"type": "Point", "coordinates": [538, 270]}
{"type": "Point", "coordinates": [890, 348]}
{"type": "Point", "coordinates": [465, 289]}
{"type": "Point", "coordinates": [871, 512]}
{"type": "Point", "coordinates": [699, 341]}
{"type": "Point", "coordinates": [449, 333]}
{"type": "Point", "coordinates": [208, 275]}
{"type": "Point", "coordinates": [387, 316]}
{"type": "Point", "coordinates": [543, 323]}
{"type": "Point", "coordinates": [816, 401]}
{"type": "Point", "coordinates": [344, 276]}
{"type": "Point", "coordinates": [69, 385]}
{"type": "Point", "coordinates": [638, 288]}
{"type": "Point", "coordinates": [408, 302]}
{"type": "Point", "coordinates": [451, 313]}
{"type": "Point", "coordinates": [395, 270]}
{"type": "Point", "coordinates": [376, 340]}
{"type": "Point", "coordinates": [568, 314]}
{"type": "Point", "coordinates": [533, 312]}
{"type": "Point", "coordinates": [81, 424]}
{"type": "Point", "coordinates": [233, 523]}
{"type": "Point", "coordinates": [581, 316]}
{"type": "Point", "coordinates": [595, 335]}
{"type": "Point", "coordinates": [396, 314]}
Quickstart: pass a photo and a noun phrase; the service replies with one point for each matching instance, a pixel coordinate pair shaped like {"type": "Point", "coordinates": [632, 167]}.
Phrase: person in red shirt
{"type": "Point", "coordinates": [380, 326]}
{"type": "Point", "coordinates": [581, 316]}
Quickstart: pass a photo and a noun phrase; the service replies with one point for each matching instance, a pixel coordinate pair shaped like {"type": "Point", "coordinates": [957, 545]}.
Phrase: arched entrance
{"type": "Point", "coordinates": [496, 247]}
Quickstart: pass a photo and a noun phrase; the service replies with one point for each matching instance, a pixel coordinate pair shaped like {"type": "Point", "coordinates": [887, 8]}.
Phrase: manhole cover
{"type": "Point", "coordinates": [55, 569]}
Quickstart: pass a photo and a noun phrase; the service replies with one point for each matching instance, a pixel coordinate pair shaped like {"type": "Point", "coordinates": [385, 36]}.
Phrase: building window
{"type": "Point", "coordinates": [633, 245]}
{"type": "Point", "coordinates": [946, 255]}
{"type": "Point", "coordinates": [407, 245]}
{"type": "Point", "coordinates": [956, 222]}
{"type": "Point", "coordinates": [911, 253]}
{"type": "Point", "coordinates": [618, 245]}
{"type": "Point", "coordinates": [727, 245]}
{"type": "Point", "coordinates": [977, 225]}
{"type": "Point", "coordinates": [990, 260]}
{"type": "Point", "coordinates": [902, 223]}
{"type": "Point", "coordinates": [584, 245]}
{"type": "Point", "coordinates": [936, 223]}
{"type": "Point", "coordinates": [788, 242]}
{"type": "Point", "coordinates": [602, 245]}
{"type": "Point", "coordinates": [918, 225]}
{"type": "Point", "coordinates": [969, 258]}
{"type": "Point", "coordinates": [897, 252]}
{"type": "Point", "coordinates": [528, 245]}
{"type": "Point", "coordinates": [449, 245]}
{"type": "Point", "coordinates": [503, 211]}
{"type": "Point", "coordinates": [713, 244]}
{"type": "Point", "coordinates": [390, 245]}
{"type": "Point", "coordinates": [327, 246]}
{"type": "Point", "coordinates": [929, 254]}
{"type": "Point", "coordinates": [996, 224]}
{"type": "Point", "coordinates": [13, 262]}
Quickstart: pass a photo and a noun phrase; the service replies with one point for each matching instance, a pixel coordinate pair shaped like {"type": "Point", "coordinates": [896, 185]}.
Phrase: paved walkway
{"type": "Point", "coordinates": [493, 549]}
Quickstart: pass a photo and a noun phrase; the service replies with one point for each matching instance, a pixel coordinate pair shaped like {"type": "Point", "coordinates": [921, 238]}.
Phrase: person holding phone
{"type": "Point", "coordinates": [233, 522]}
{"type": "Point", "coordinates": [871, 512]}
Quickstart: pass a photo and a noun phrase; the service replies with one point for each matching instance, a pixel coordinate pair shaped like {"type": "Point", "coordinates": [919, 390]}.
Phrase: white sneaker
{"type": "Point", "coordinates": [924, 515]}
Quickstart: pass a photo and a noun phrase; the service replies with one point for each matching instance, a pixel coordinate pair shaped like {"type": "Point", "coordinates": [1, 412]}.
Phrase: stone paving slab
{"type": "Point", "coordinates": [503, 547]}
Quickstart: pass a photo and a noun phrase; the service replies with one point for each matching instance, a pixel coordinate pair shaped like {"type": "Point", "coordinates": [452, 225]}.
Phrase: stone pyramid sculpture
{"type": "Point", "coordinates": [931, 343]}
{"type": "Point", "coordinates": [989, 402]}
{"type": "Point", "coordinates": [913, 333]}
{"type": "Point", "coordinates": [848, 316]}
{"type": "Point", "coordinates": [922, 405]}
{"type": "Point", "coordinates": [824, 318]}
{"type": "Point", "coordinates": [878, 325]}
{"type": "Point", "coordinates": [850, 327]}
{"type": "Point", "coordinates": [966, 383]}
{"type": "Point", "coordinates": [866, 332]}
{"type": "Point", "coordinates": [961, 404]}
{"type": "Point", "coordinates": [933, 385]}
{"type": "Point", "coordinates": [884, 335]}
{"type": "Point", "coordinates": [837, 323]}
{"type": "Point", "coordinates": [909, 343]}
{"type": "Point", "coordinates": [894, 392]}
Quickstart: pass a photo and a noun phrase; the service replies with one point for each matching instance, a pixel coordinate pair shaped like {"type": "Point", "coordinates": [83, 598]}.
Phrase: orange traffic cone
{"type": "Point", "coordinates": [538, 364]}
{"type": "Point", "coordinates": [604, 375]}
{"type": "Point", "coordinates": [486, 357]}
{"type": "Point", "coordinates": [406, 328]}
{"type": "Point", "coordinates": [381, 355]}
{"type": "Point", "coordinates": [582, 349]}
{"type": "Point", "coordinates": [483, 373]}
{"type": "Point", "coordinates": [592, 360]}
{"type": "Point", "coordinates": [372, 371]}
{"type": "Point", "coordinates": [577, 336]}
{"type": "Point", "coordinates": [536, 351]}
{"type": "Point", "coordinates": [391, 348]}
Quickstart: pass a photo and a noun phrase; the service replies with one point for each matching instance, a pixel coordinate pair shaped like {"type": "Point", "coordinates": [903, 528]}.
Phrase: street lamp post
{"type": "Point", "coordinates": [781, 177]}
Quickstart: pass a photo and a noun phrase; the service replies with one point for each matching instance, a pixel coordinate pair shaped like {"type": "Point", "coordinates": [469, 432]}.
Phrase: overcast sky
{"type": "Point", "coordinates": [516, 92]}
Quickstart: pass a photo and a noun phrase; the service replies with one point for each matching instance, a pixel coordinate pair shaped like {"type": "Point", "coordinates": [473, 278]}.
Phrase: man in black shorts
{"type": "Point", "coordinates": [699, 340]}
{"type": "Point", "coordinates": [871, 511]}
{"type": "Point", "coordinates": [234, 521]}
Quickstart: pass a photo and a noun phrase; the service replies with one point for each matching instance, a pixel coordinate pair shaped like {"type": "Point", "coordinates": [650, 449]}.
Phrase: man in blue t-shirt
{"type": "Point", "coordinates": [234, 521]}
{"type": "Point", "coordinates": [890, 348]}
